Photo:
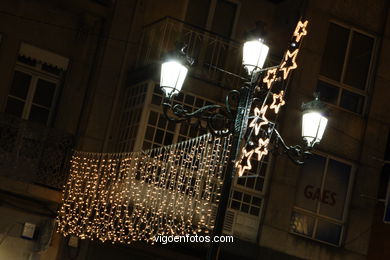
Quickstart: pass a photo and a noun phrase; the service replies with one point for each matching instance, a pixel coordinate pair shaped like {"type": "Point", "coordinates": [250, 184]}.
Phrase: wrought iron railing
{"type": "Point", "coordinates": [33, 153]}
{"type": "Point", "coordinates": [210, 50]}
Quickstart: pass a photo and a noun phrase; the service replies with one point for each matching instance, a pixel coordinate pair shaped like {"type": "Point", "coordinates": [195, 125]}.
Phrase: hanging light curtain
{"type": "Point", "coordinates": [137, 196]}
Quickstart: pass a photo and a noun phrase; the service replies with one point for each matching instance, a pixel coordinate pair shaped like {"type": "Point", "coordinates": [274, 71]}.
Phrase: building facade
{"type": "Point", "coordinates": [90, 69]}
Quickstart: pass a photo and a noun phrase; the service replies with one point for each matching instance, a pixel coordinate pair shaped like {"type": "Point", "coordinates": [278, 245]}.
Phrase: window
{"type": "Point", "coordinates": [217, 16]}
{"type": "Point", "coordinates": [159, 131]}
{"type": "Point", "coordinates": [322, 198]}
{"type": "Point", "coordinates": [212, 50]}
{"type": "Point", "coordinates": [255, 177]}
{"type": "Point", "coordinates": [103, 2]}
{"type": "Point", "coordinates": [224, 17]}
{"type": "Point", "coordinates": [248, 192]}
{"type": "Point", "coordinates": [133, 101]}
{"type": "Point", "coordinates": [345, 68]}
{"type": "Point", "coordinates": [197, 12]}
{"type": "Point", "coordinates": [384, 183]}
{"type": "Point", "coordinates": [35, 84]}
{"type": "Point", "coordinates": [246, 202]}
{"type": "Point", "coordinates": [385, 174]}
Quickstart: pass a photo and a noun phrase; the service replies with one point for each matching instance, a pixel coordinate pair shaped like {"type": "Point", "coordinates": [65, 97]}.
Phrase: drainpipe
{"type": "Point", "coordinates": [120, 81]}
{"type": "Point", "coordinates": [90, 86]}
{"type": "Point", "coordinates": [377, 57]}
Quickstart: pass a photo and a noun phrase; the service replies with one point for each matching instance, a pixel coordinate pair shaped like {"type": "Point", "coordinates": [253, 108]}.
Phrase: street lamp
{"type": "Point", "coordinates": [254, 55]}
{"type": "Point", "coordinates": [173, 75]}
{"type": "Point", "coordinates": [314, 121]}
{"type": "Point", "coordinates": [236, 118]}
{"type": "Point", "coordinates": [173, 72]}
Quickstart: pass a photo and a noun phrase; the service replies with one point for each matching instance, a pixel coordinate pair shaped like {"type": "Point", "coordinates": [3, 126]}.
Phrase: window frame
{"type": "Point", "coordinates": [251, 193]}
{"type": "Point", "coordinates": [150, 105]}
{"type": "Point", "coordinates": [316, 215]}
{"type": "Point", "coordinates": [211, 12]}
{"type": "Point", "coordinates": [157, 127]}
{"type": "Point", "coordinates": [36, 73]}
{"type": "Point", "coordinates": [340, 84]}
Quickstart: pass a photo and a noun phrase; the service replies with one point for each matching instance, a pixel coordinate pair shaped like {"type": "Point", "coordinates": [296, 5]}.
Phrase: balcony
{"type": "Point", "coordinates": [33, 153]}
{"type": "Point", "coordinates": [209, 50]}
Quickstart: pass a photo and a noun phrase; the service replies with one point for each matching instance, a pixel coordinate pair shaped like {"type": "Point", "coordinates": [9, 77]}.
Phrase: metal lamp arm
{"type": "Point", "coordinates": [209, 114]}
{"type": "Point", "coordinates": [180, 114]}
{"type": "Point", "coordinates": [228, 105]}
{"type": "Point", "coordinates": [296, 153]}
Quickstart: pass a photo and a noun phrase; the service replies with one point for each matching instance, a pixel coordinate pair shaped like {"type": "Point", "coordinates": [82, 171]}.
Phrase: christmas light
{"type": "Point", "coordinates": [271, 77]}
{"type": "Point", "coordinates": [261, 149]}
{"type": "Point", "coordinates": [286, 69]}
{"type": "Point", "coordinates": [129, 197]}
{"type": "Point", "coordinates": [300, 30]}
{"type": "Point", "coordinates": [244, 155]}
{"type": "Point", "coordinates": [277, 101]}
{"type": "Point", "coordinates": [259, 114]}
{"type": "Point", "coordinates": [259, 119]}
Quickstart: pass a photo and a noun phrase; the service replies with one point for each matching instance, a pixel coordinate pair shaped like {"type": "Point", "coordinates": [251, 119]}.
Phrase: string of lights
{"type": "Point", "coordinates": [258, 143]}
{"type": "Point", "coordinates": [127, 197]}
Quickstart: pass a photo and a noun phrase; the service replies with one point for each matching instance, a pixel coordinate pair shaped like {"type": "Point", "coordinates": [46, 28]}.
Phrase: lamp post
{"type": "Point", "coordinates": [235, 119]}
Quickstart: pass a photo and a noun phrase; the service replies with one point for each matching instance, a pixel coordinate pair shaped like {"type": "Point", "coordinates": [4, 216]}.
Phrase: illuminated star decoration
{"type": "Point", "coordinates": [262, 150]}
{"type": "Point", "coordinates": [277, 101]}
{"type": "Point", "coordinates": [300, 30]}
{"type": "Point", "coordinates": [271, 77]}
{"type": "Point", "coordinates": [241, 168]}
{"type": "Point", "coordinates": [293, 57]}
{"type": "Point", "coordinates": [259, 113]}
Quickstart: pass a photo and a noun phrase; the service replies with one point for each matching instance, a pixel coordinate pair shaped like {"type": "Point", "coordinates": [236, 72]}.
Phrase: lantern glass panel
{"type": "Point", "coordinates": [254, 55]}
{"type": "Point", "coordinates": [173, 75]}
{"type": "Point", "coordinates": [313, 127]}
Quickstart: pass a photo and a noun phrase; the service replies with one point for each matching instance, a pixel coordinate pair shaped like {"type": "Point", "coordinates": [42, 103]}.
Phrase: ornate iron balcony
{"type": "Point", "coordinates": [210, 50]}
{"type": "Point", "coordinates": [33, 153]}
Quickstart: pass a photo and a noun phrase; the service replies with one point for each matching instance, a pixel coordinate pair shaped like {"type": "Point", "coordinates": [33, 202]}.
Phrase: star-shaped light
{"type": "Point", "coordinates": [277, 101]}
{"type": "Point", "coordinates": [255, 122]}
{"type": "Point", "coordinates": [262, 150]}
{"type": "Point", "coordinates": [300, 30]}
{"type": "Point", "coordinates": [293, 57]}
{"type": "Point", "coordinates": [241, 168]}
{"type": "Point", "coordinates": [271, 77]}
